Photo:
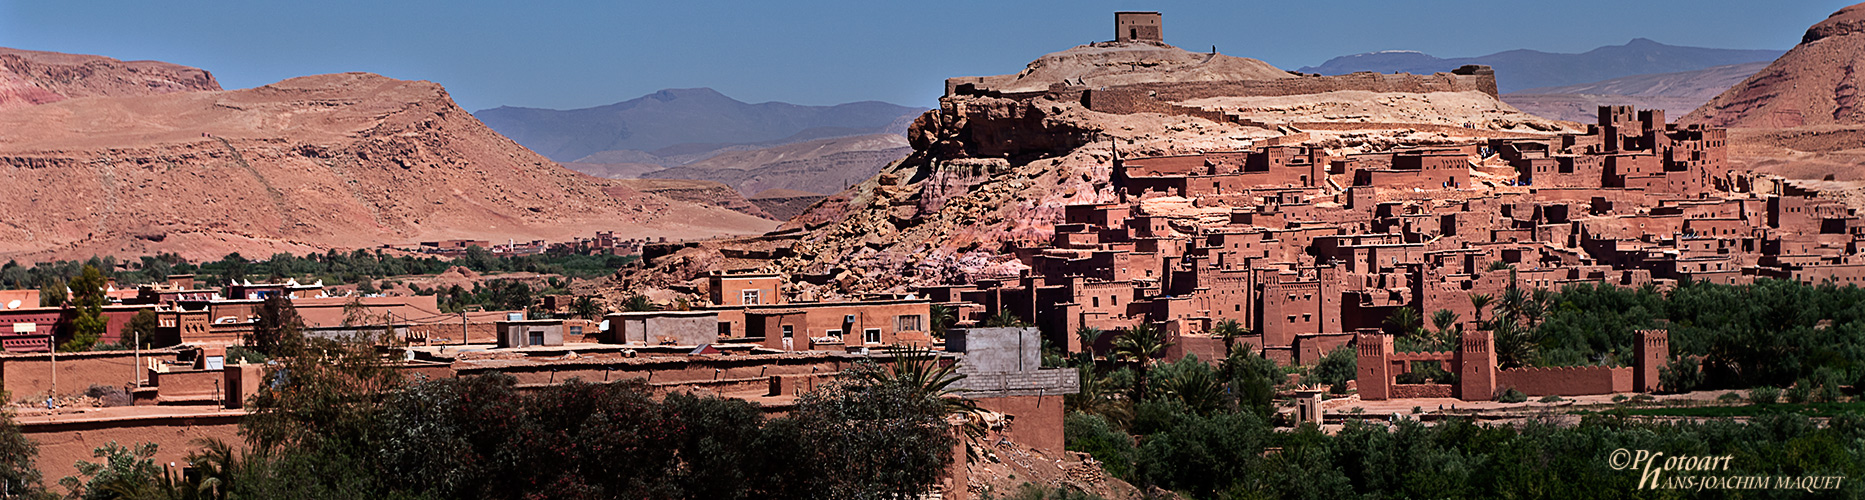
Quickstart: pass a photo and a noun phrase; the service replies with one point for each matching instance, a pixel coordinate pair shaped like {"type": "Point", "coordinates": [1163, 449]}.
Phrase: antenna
{"type": "Point", "coordinates": [13, 305]}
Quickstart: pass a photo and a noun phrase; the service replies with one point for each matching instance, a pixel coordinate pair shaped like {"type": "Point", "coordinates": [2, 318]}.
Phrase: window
{"type": "Point", "coordinates": [752, 297]}
{"type": "Point", "coordinates": [907, 323]}
{"type": "Point", "coordinates": [834, 334]}
{"type": "Point", "coordinates": [576, 331]}
{"type": "Point", "coordinates": [537, 337]}
{"type": "Point", "coordinates": [725, 328]}
{"type": "Point", "coordinates": [871, 336]}
{"type": "Point", "coordinates": [790, 331]}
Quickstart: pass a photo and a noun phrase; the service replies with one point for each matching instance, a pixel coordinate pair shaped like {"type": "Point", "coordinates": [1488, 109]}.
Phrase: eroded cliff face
{"type": "Point", "coordinates": [30, 78]}
{"type": "Point", "coordinates": [328, 161]}
{"type": "Point", "coordinates": [987, 175]}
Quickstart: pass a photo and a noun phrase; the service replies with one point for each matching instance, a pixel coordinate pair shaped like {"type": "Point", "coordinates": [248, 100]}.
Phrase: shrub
{"type": "Point", "coordinates": [109, 395]}
{"type": "Point", "coordinates": [1764, 395]}
{"type": "Point", "coordinates": [1334, 370]}
{"type": "Point", "coordinates": [1643, 398]}
{"type": "Point", "coordinates": [1826, 384]}
{"type": "Point", "coordinates": [1801, 392]}
{"type": "Point", "coordinates": [1417, 410]}
{"type": "Point", "coordinates": [1552, 399]}
{"type": "Point", "coordinates": [1619, 398]}
{"type": "Point", "coordinates": [1680, 375]}
{"type": "Point", "coordinates": [1091, 434]}
{"type": "Point", "coordinates": [1511, 396]}
{"type": "Point", "coordinates": [1729, 397]}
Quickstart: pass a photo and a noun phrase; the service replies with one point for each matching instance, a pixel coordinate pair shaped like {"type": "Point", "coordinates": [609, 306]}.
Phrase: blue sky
{"type": "Point", "coordinates": [560, 54]}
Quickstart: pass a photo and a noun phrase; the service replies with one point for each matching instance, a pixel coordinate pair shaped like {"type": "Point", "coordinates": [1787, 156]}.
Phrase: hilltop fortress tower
{"type": "Point", "coordinates": [1138, 27]}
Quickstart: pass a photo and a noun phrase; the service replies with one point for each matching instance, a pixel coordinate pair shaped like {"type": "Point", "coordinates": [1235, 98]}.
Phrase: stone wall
{"type": "Point", "coordinates": [1403, 391]}
{"type": "Point", "coordinates": [1466, 79]}
{"type": "Point", "coordinates": [1030, 383]}
{"type": "Point", "coordinates": [29, 376]}
{"type": "Point", "coordinates": [1566, 380]}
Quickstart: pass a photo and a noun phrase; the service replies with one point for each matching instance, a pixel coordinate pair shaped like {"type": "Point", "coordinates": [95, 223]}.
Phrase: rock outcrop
{"type": "Point", "coordinates": [30, 78]}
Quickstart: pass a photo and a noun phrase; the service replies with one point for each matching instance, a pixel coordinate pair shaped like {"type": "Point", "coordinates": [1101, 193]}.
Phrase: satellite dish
{"type": "Point", "coordinates": [13, 305]}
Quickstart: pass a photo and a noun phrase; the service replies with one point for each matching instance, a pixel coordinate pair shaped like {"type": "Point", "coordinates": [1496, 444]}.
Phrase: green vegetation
{"type": "Point", "coordinates": [333, 267]}
{"type": "Point", "coordinates": [1772, 333]}
{"type": "Point", "coordinates": [88, 297]}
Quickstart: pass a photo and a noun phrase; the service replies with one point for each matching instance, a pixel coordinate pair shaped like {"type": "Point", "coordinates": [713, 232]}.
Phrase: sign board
{"type": "Point", "coordinates": [25, 328]}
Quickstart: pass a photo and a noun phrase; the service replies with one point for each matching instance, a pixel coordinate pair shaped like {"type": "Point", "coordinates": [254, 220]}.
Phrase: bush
{"type": "Point", "coordinates": [1619, 398]}
{"type": "Point", "coordinates": [1826, 385]}
{"type": "Point", "coordinates": [109, 395]}
{"type": "Point", "coordinates": [1091, 434]}
{"type": "Point", "coordinates": [1801, 392]}
{"type": "Point", "coordinates": [1729, 397]}
{"type": "Point", "coordinates": [1552, 399]}
{"type": "Point", "coordinates": [1334, 370]}
{"type": "Point", "coordinates": [1764, 395]}
{"type": "Point", "coordinates": [1680, 375]}
{"type": "Point", "coordinates": [1511, 396]}
{"type": "Point", "coordinates": [1643, 398]}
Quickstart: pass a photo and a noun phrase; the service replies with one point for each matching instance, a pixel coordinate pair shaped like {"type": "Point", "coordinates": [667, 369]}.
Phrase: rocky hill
{"type": "Point", "coordinates": [679, 126]}
{"type": "Point", "coordinates": [822, 166]}
{"type": "Point", "coordinates": [1126, 63]}
{"type": "Point", "coordinates": [29, 78]}
{"type": "Point", "coordinates": [1815, 83]}
{"type": "Point", "coordinates": [1675, 93]}
{"type": "Point", "coordinates": [1524, 69]}
{"type": "Point", "coordinates": [341, 160]}
{"type": "Point", "coordinates": [989, 171]}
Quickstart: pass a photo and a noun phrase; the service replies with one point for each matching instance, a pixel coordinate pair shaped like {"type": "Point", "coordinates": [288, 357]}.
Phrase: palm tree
{"type": "Point", "coordinates": [1480, 300]}
{"type": "Point", "coordinates": [1407, 321]}
{"type": "Point", "coordinates": [918, 370]}
{"type": "Point", "coordinates": [638, 303]}
{"type": "Point", "coordinates": [1228, 330]}
{"type": "Point", "coordinates": [1089, 336]}
{"type": "Point", "coordinates": [1446, 323]}
{"type": "Point", "coordinates": [1004, 319]}
{"type": "Point", "coordinates": [943, 317]}
{"type": "Point", "coordinates": [1142, 345]}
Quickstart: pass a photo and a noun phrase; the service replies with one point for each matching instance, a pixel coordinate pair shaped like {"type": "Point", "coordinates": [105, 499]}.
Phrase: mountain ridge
{"type": "Point", "coordinates": [1521, 69]}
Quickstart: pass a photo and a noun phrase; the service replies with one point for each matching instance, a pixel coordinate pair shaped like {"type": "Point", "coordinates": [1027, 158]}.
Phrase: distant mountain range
{"type": "Point", "coordinates": [1675, 93]}
{"type": "Point", "coordinates": [678, 126]}
{"type": "Point", "coordinates": [1525, 69]}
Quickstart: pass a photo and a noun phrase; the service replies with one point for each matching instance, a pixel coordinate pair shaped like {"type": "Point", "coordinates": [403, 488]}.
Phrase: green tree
{"type": "Point", "coordinates": [278, 328]}
{"type": "Point", "coordinates": [1141, 345]}
{"type": "Point", "coordinates": [1406, 323]}
{"type": "Point", "coordinates": [18, 475]}
{"type": "Point", "coordinates": [1229, 330]}
{"type": "Point", "coordinates": [125, 472]}
{"type": "Point", "coordinates": [896, 433]}
{"type": "Point", "coordinates": [1004, 319]}
{"type": "Point", "coordinates": [233, 268]}
{"type": "Point", "coordinates": [638, 303]}
{"type": "Point", "coordinates": [587, 308]}
{"type": "Point", "coordinates": [1480, 301]}
{"type": "Point", "coordinates": [53, 294]}
{"type": "Point", "coordinates": [942, 318]}
{"type": "Point", "coordinates": [88, 297]}
{"type": "Point", "coordinates": [143, 326]}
